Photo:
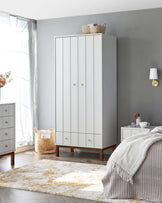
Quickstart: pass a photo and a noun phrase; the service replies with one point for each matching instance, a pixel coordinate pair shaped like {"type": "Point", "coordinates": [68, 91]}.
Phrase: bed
{"type": "Point", "coordinates": [147, 183]}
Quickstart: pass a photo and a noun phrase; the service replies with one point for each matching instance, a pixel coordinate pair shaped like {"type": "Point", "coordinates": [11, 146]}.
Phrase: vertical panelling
{"type": "Point", "coordinates": [97, 84]}
{"type": "Point", "coordinates": [89, 141]}
{"type": "Point", "coordinates": [74, 84]}
{"type": "Point", "coordinates": [74, 139]}
{"type": "Point", "coordinates": [66, 83]}
{"type": "Point", "coordinates": [81, 138]}
{"type": "Point", "coordinates": [85, 64]}
{"type": "Point", "coordinates": [59, 82]}
{"type": "Point", "coordinates": [82, 85]}
{"type": "Point", "coordinates": [89, 84]}
{"type": "Point", "coordinates": [66, 138]}
{"type": "Point", "coordinates": [97, 141]}
{"type": "Point", "coordinates": [59, 139]}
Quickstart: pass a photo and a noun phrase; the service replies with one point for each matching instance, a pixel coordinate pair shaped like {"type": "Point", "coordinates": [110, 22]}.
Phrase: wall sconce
{"type": "Point", "coordinates": [154, 77]}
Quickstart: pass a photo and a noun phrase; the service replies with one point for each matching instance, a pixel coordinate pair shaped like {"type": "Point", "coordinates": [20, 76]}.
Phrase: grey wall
{"type": "Point", "coordinates": [139, 36]}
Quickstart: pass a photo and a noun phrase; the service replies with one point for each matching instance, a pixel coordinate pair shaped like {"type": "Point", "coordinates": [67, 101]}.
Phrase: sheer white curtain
{"type": "Point", "coordinates": [17, 54]}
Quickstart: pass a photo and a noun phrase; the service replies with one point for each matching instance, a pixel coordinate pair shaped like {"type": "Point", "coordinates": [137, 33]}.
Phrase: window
{"type": "Point", "coordinates": [17, 54]}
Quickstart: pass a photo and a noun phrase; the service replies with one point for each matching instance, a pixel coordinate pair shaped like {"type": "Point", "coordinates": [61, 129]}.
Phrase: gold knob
{"type": "Point", "coordinates": [81, 84]}
{"type": "Point", "coordinates": [89, 140]}
{"type": "Point", "coordinates": [66, 138]}
{"type": "Point", "coordinates": [74, 84]}
{"type": "Point", "coordinates": [6, 145]}
{"type": "Point", "coordinates": [6, 133]}
{"type": "Point", "coordinates": [6, 110]}
{"type": "Point", "coordinates": [6, 122]}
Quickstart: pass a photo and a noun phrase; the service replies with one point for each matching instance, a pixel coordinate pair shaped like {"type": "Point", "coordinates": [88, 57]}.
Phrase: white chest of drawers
{"type": "Point", "coordinates": [7, 130]}
{"type": "Point", "coordinates": [130, 131]}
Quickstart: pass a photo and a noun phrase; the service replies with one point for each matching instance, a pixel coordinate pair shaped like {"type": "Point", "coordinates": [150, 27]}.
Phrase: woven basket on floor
{"type": "Point", "coordinates": [44, 145]}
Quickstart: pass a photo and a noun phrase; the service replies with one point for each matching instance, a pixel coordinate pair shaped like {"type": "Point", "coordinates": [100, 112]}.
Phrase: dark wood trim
{"type": "Point", "coordinates": [72, 149]}
{"type": "Point", "coordinates": [101, 154]}
{"type": "Point", "coordinates": [87, 148]}
{"type": "Point", "coordinates": [57, 150]}
{"type": "Point", "coordinates": [112, 146]}
{"type": "Point", "coordinates": [12, 157]}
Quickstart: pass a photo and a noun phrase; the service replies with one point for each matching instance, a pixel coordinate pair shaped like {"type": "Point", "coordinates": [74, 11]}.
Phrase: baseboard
{"type": "Point", "coordinates": [24, 148]}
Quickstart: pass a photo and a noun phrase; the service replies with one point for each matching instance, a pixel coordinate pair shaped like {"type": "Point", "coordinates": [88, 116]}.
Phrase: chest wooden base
{"type": "Point", "coordinates": [12, 157]}
{"type": "Point", "coordinates": [75, 147]}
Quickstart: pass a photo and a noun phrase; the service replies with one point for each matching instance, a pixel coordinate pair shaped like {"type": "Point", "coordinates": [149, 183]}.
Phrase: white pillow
{"type": "Point", "coordinates": [157, 130]}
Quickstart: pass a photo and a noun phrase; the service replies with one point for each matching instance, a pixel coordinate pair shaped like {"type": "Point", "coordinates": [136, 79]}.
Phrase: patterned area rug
{"type": "Point", "coordinates": [60, 178]}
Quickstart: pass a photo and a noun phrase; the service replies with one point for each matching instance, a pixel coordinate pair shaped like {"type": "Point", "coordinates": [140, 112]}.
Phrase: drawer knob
{"type": "Point", "coordinates": [74, 84]}
{"type": "Point", "coordinates": [66, 138]}
{"type": "Point", "coordinates": [6, 146]}
{"type": "Point", "coordinates": [6, 133]}
{"type": "Point", "coordinates": [81, 84]}
{"type": "Point", "coordinates": [89, 140]}
{"type": "Point", "coordinates": [6, 110]}
{"type": "Point", "coordinates": [6, 122]}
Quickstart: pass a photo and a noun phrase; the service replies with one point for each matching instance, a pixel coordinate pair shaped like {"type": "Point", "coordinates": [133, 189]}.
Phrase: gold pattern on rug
{"type": "Point", "coordinates": [78, 180]}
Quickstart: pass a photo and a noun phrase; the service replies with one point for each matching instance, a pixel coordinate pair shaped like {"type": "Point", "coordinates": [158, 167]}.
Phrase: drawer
{"type": "Point", "coordinates": [126, 133]}
{"type": "Point", "coordinates": [7, 146]}
{"type": "Point", "coordinates": [4, 110]}
{"type": "Point", "coordinates": [98, 141]}
{"type": "Point", "coordinates": [82, 139]}
{"type": "Point", "coordinates": [66, 138]}
{"type": "Point", "coordinates": [74, 139]}
{"type": "Point", "coordinates": [136, 131]}
{"type": "Point", "coordinates": [7, 134]}
{"type": "Point", "coordinates": [89, 140]}
{"type": "Point", "coordinates": [11, 109]}
{"type": "Point", "coordinates": [78, 139]}
{"type": "Point", "coordinates": [7, 110]}
{"type": "Point", "coordinates": [142, 130]}
{"type": "Point", "coordinates": [58, 138]}
{"type": "Point", "coordinates": [7, 122]}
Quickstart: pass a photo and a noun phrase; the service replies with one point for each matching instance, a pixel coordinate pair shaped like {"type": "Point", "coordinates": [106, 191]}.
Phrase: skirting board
{"type": "Point", "coordinates": [24, 148]}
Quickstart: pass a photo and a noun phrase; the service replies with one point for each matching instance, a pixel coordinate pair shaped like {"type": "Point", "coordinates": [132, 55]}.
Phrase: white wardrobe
{"type": "Point", "coordinates": [85, 92]}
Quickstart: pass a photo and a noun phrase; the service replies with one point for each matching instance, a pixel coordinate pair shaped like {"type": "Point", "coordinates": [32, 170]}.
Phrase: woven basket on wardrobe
{"type": "Point", "coordinates": [86, 29]}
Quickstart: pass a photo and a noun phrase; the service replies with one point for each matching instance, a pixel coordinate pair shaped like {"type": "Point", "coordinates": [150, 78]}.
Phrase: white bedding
{"type": "Point", "coordinates": [131, 153]}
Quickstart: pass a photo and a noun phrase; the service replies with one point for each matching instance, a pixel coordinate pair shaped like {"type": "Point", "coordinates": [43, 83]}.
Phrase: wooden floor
{"type": "Point", "coordinates": [19, 196]}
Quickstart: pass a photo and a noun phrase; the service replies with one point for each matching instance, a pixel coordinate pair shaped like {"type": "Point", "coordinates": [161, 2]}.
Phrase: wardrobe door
{"type": "Point", "coordinates": [59, 83]}
{"type": "Point", "coordinates": [89, 84]}
{"type": "Point", "coordinates": [66, 84]}
{"type": "Point", "coordinates": [74, 84]}
{"type": "Point", "coordinates": [82, 85]}
{"type": "Point", "coordinates": [97, 67]}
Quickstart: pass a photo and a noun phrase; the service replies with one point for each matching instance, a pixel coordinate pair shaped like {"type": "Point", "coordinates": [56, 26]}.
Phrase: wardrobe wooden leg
{"type": "Point", "coordinates": [12, 158]}
{"type": "Point", "coordinates": [72, 149]}
{"type": "Point", "coordinates": [57, 150]}
{"type": "Point", "coordinates": [101, 154]}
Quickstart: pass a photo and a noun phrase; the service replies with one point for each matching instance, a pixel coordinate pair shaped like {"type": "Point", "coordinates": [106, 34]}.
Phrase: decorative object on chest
{"type": "Point", "coordinates": [7, 130]}
{"type": "Point", "coordinates": [4, 80]}
{"type": "Point", "coordinates": [86, 104]}
{"type": "Point", "coordinates": [128, 131]}
{"type": "Point", "coordinates": [138, 118]}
